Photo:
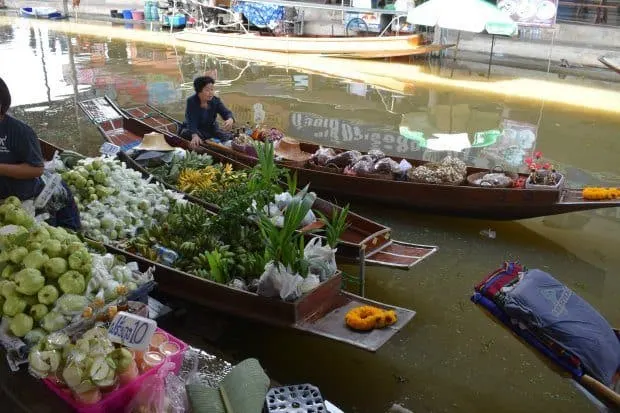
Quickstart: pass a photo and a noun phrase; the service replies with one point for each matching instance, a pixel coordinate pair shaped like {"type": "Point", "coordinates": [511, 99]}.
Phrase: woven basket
{"type": "Point", "coordinates": [478, 175]}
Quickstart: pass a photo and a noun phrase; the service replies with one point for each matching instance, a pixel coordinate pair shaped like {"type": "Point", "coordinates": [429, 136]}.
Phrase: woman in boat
{"type": "Point", "coordinates": [22, 171]}
{"type": "Point", "coordinates": [201, 114]}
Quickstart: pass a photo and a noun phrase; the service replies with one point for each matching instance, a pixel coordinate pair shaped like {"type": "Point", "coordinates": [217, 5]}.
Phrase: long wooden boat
{"type": "Point", "coordinates": [41, 13]}
{"type": "Point", "coordinates": [456, 200]}
{"type": "Point", "coordinates": [362, 239]}
{"type": "Point", "coordinates": [593, 388]}
{"type": "Point", "coordinates": [319, 312]}
{"type": "Point", "coordinates": [611, 61]}
{"type": "Point", "coordinates": [354, 47]}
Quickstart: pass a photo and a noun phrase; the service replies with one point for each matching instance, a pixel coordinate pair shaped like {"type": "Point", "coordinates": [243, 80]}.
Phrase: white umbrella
{"type": "Point", "coordinates": [473, 16]}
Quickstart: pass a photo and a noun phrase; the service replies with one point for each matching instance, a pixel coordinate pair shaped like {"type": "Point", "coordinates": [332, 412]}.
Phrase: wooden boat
{"type": "Point", "coordinates": [41, 13]}
{"type": "Point", "coordinates": [457, 200]}
{"type": "Point", "coordinates": [593, 388]}
{"type": "Point", "coordinates": [611, 61]}
{"type": "Point", "coordinates": [354, 47]}
{"type": "Point", "coordinates": [319, 312]}
{"type": "Point", "coordinates": [362, 239]}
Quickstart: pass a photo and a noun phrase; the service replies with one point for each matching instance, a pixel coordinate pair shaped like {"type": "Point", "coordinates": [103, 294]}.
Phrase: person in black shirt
{"type": "Point", "coordinates": [201, 113]}
{"type": "Point", "coordinates": [21, 162]}
{"type": "Point", "coordinates": [22, 167]}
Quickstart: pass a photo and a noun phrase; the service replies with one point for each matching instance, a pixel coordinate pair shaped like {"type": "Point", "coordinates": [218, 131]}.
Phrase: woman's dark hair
{"type": "Point", "coordinates": [201, 82]}
{"type": "Point", "coordinates": [5, 98]}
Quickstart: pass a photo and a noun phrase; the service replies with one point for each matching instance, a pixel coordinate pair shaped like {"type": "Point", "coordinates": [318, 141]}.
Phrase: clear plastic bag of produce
{"type": "Point", "coordinates": [387, 166]}
{"type": "Point", "coordinates": [277, 280]}
{"type": "Point", "coordinates": [321, 259]}
{"type": "Point", "coordinates": [345, 158]}
{"type": "Point", "coordinates": [323, 155]}
{"type": "Point", "coordinates": [163, 392]}
{"type": "Point", "coordinates": [376, 154]}
{"type": "Point", "coordinates": [363, 166]}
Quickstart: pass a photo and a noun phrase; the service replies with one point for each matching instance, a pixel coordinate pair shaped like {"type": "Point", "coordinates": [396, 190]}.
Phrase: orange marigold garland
{"type": "Point", "coordinates": [367, 317]}
{"type": "Point", "coordinates": [600, 194]}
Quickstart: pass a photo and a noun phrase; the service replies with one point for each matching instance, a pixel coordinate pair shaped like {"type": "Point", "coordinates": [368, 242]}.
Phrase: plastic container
{"type": "Point", "coordinates": [167, 256]}
{"type": "Point", "coordinates": [154, 11]}
{"type": "Point", "coordinates": [147, 11]}
{"type": "Point", "coordinates": [117, 400]}
{"type": "Point", "coordinates": [178, 20]}
{"type": "Point", "coordinates": [137, 15]}
{"type": "Point", "coordinates": [127, 14]}
{"type": "Point", "coordinates": [296, 398]}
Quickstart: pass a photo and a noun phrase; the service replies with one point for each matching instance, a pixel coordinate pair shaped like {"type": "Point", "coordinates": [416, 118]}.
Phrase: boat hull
{"type": "Point", "coordinates": [356, 47]}
{"type": "Point", "coordinates": [319, 312]}
{"type": "Point", "coordinates": [452, 200]}
{"type": "Point", "coordinates": [362, 239]}
{"type": "Point", "coordinates": [611, 61]}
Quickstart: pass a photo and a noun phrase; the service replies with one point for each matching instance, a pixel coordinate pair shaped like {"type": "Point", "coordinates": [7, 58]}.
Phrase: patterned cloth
{"type": "Point", "coordinates": [491, 286]}
{"type": "Point", "coordinates": [260, 15]}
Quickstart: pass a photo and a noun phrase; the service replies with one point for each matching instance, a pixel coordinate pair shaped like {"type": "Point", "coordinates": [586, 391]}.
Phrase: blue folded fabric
{"type": "Point", "coordinates": [555, 311]}
{"type": "Point", "coordinates": [527, 336]}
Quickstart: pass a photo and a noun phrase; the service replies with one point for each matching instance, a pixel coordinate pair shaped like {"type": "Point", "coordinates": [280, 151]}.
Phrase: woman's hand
{"type": "Point", "coordinates": [228, 123]}
{"type": "Point", "coordinates": [195, 143]}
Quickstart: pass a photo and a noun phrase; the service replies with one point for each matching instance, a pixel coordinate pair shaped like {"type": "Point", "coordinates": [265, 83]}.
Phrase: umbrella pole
{"type": "Point", "coordinates": [491, 56]}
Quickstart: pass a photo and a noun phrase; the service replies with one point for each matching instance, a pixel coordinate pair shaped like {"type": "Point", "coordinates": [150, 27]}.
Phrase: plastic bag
{"type": "Point", "coordinates": [278, 280]}
{"type": "Point", "coordinates": [404, 165]}
{"type": "Point", "coordinates": [157, 396]}
{"type": "Point", "coordinates": [310, 283]}
{"type": "Point", "coordinates": [363, 166]}
{"type": "Point", "coordinates": [321, 259]}
{"type": "Point", "coordinates": [387, 166]}
{"type": "Point", "coordinates": [376, 154]}
{"type": "Point", "coordinates": [323, 155]}
{"type": "Point", "coordinates": [283, 200]}
{"type": "Point", "coordinates": [308, 219]}
{"type": "Point", "coordinates": [345, 158]}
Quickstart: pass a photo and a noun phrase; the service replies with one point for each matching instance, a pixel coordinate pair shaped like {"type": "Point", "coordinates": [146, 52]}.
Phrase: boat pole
{"type": "Point", "coordinates": [361, 277]}
{"type": "Point", "coordinates": [491, 56]}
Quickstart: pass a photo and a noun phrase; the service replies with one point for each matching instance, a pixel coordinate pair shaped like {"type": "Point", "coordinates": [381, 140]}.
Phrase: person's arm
{"type": "Point", "coordinates": [20, 170]}
{"type": "Point", "coordinates": [223, 111]}
{"type": "Point", "coordinates": [192, 115]}
{"type": "Point", "coordinates": [28, 152]}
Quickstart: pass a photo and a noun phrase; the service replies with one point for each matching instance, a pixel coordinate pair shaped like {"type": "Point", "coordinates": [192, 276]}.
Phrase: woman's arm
{"type": "Point", "coordinates": [192, 114]}
{"type": "Point", "coordinates": [224, 112]}
{"type": "Point", "coordinates": [20, 170]}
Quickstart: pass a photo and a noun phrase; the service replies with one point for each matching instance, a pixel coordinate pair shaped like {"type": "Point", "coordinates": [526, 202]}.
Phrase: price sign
{"type": "Point", "coordinates": [109, 149]}
{"type": "Point", "coordinates": [131, 330]}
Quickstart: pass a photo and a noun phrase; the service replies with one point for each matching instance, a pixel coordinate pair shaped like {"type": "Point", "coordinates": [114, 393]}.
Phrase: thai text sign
{"type": "Point", "coordinates": [531, 12]}
{"type": "Point", "coordinates": [132, 330]}
{"type": "Point", "coordinates": [333, 132]}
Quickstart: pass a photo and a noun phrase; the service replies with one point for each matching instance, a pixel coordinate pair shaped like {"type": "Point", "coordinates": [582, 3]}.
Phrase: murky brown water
{"type": "Point", "coordinates": [450, 358]}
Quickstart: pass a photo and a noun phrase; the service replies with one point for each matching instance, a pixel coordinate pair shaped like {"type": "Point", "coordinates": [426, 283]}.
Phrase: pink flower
{"type": "Point", "coordinates": [547, 165]}
{"type": "Point", "coordinates": [528, 160]}
{"type": "Point", "coordinates": [538, 154]}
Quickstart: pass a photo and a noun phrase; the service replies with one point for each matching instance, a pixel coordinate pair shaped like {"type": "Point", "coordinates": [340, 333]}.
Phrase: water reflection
{"type": "Point", "coordinates": [450, 357]}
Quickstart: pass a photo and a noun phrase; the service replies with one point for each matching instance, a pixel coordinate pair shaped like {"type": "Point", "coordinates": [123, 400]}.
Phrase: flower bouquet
{"type": "Point", "coordinates": [542, 174]}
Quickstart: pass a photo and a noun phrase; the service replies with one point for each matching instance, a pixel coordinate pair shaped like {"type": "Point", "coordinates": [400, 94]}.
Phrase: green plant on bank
{"type": "Point", "coordinates": [335, 227]}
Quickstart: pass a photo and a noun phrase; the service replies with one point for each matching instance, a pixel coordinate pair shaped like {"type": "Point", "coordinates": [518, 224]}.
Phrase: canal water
{"type": "Point", "coordinates": [451, 357]}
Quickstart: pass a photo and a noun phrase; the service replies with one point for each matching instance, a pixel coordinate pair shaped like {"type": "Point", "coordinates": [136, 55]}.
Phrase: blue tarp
{"type": "Point", "coordinates": [260, 15]}
{"type": "Point", "coordinates": [551, 309]}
